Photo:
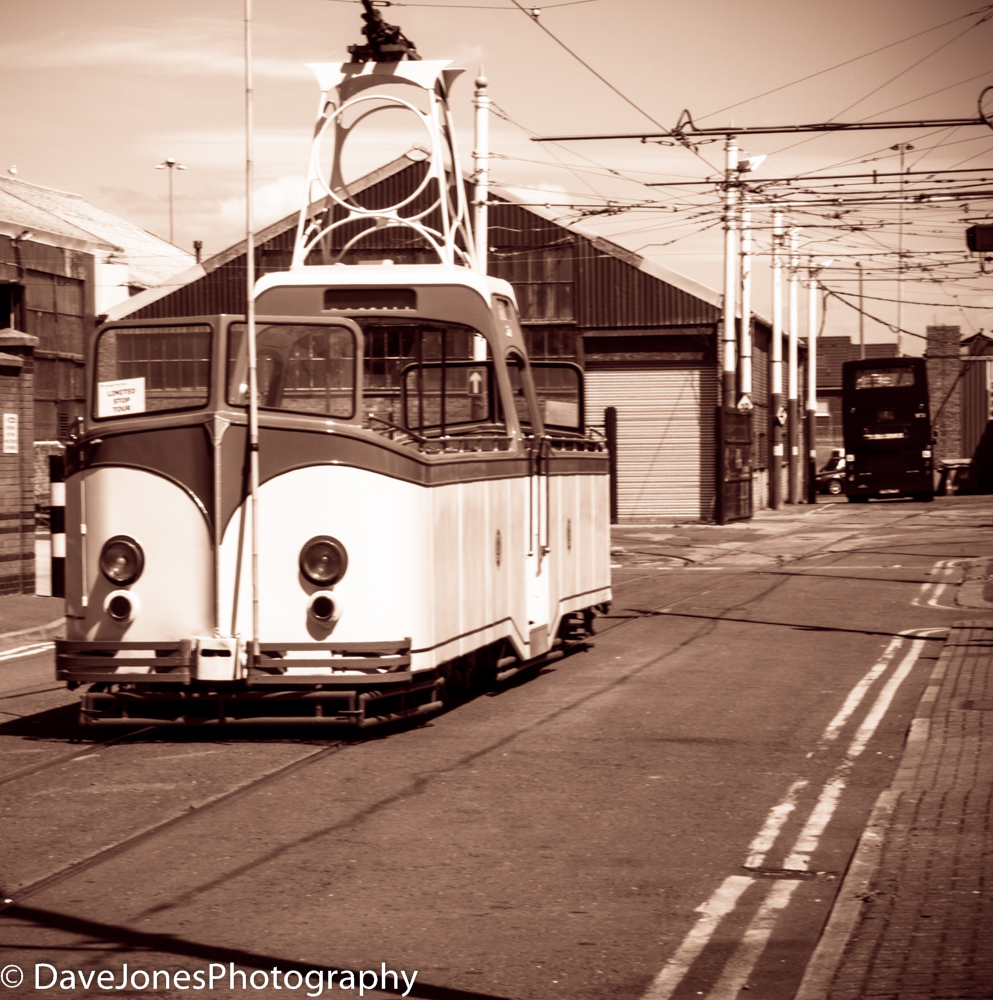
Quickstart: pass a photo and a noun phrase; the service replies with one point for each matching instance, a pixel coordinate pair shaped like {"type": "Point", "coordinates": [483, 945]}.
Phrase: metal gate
{"type": "Point", "coordinates": [734, 466]}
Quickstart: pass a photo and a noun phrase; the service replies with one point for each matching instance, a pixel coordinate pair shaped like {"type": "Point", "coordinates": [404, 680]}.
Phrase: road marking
{"type": "Point", "coordinates": [753, 942]}
{"type": "Point", "coordinates": [858, 692]}
{"type": "Point", "coordinates": [827, 802]}
{"type": "Point", "coordinates": [739, 967]}
{"type": "Point", "coordinates": [722, 902]}
{"type": "Point", "coordinates": [755, 939]}
{"type": "Point", "coordinates": [31, 650]}
{"type": "Point", "coordinates": [774, 823]}
{"type": "Point", "coordinates": [945, 569]}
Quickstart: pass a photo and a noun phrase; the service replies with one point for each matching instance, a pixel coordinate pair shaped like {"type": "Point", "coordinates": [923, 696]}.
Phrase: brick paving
{"type": "Point", "coordinates": [924, 927]}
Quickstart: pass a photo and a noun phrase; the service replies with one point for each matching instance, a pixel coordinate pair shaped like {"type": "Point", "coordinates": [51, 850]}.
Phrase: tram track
{"type": "Point", "coordinates": [112, 851]}
{"type": "Point", "coordinates": [92, 748]}
{"type": "Point", "coordinates": [137, 839]}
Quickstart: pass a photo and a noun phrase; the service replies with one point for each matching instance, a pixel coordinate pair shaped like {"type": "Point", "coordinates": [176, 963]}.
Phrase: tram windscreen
{"type": "Point", "coordinates": [151, 369]}
{"type": "Point", "coordinates": [436, 396]}
{"type": "Point", "coordinates": [302, 368]}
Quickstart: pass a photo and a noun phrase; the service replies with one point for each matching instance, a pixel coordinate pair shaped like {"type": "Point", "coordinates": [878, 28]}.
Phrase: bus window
{"type": "Point", "coordinates": [301, 369]}
{"type": "Point", "coordinates": [152, 369]}
{"type": "Point", "coordinates": [884, 378]}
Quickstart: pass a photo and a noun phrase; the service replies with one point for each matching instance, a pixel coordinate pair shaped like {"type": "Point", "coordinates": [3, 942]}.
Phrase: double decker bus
{"type": "Point", "coordinates": [887, 425]}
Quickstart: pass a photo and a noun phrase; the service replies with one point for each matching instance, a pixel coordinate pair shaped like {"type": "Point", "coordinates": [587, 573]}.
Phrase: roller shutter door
{"type": "Point", "coordinates": [665, 439]}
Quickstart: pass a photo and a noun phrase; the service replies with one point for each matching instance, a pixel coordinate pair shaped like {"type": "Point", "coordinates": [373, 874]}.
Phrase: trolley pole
{"type": "Point", "coordinates": [776, 412]}
{"type": "Point", "coordinates": [729, 337]}
{"type": "Point", "coordinates": [481, 192]}
{"type": "Point", "coordinates": [253, 375]}
{"type": "Point", "coordinates": [812, 286]}
{"type": "Point", "coordinates": [792, 374]}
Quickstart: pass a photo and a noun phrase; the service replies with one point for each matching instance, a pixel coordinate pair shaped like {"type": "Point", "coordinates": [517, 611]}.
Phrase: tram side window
{"type": "Point", "coordinates": [150, 369]}
{"type": "Point", "coordinates": [301, 369]}
{"type": "Point", "coordinates": [559, 388]}
{"type": "Point", "coordinates": [515, 371]}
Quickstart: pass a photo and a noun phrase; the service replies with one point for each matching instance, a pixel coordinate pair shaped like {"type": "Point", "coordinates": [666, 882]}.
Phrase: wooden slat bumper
{"type": "Point", "coordinates": [382, 663]}
{"type": "Point", "coordinates": [80, 661]}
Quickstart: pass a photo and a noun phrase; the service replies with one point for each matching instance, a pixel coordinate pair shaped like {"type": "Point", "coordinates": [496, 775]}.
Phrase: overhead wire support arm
{"type": "Point", "coordinates": [694, 133]}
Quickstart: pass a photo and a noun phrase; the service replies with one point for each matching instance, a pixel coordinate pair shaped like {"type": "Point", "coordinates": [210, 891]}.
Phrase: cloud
{"type": "Point", "coordinates": [188, 46]}
{"type": "Point", "coordinates": [271, 202]}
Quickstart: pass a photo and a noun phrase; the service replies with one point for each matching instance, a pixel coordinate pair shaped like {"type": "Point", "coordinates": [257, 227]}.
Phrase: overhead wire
{"type": "Point", "coordinates": [847, 62]}
{"type": "Point", "coordinates": [986, 16]}
{"type": "Point", "coordinates": [466, 6]}
{"type": "Point", "coordinates": [604, 80]}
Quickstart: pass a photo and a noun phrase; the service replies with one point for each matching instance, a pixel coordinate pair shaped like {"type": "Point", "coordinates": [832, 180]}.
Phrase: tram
{"type": "Point", "coordinates": [887, 426]}
{"type": "Point", "coordinates": [406, 506]}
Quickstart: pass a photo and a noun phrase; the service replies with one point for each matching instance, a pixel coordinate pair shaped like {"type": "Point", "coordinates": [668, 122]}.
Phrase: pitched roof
{"type": "Point", "coordinates": [67, 219]}
{"type": "Point", "coordinates": [550, 213]}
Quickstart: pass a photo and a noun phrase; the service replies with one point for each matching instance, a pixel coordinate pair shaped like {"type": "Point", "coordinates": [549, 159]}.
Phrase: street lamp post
{"type": "Point", "coordinates": [171, 164]}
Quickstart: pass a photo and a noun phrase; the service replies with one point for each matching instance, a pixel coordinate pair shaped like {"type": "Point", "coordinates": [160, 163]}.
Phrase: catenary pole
{"type": "Point", "coordinates": [745, 336]}
{"type": "Point", "coordinates": [792, 372]}
{"type": "Point", "coordinates": [776, 364]}
{"type": "Point", "coordinates": [858, 264]}
{"type": "Point", "coordinates": [729, 337]}
{"type": "Point", "coordinates": [812, 286]}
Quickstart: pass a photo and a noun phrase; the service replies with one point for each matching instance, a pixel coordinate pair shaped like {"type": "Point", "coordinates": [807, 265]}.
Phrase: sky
{"type": "Point", "coordinates": [97, 92]}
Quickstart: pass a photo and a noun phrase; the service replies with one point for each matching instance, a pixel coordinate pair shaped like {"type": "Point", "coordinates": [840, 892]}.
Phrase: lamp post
{"type": "Point", "coordinates": [172, 165]}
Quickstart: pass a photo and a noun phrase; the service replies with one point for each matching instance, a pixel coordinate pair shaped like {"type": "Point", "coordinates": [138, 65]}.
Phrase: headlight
{"type": "Point", "coordinates": [323, 560]}
{"type": "Point", "coordinates": [122, 560]}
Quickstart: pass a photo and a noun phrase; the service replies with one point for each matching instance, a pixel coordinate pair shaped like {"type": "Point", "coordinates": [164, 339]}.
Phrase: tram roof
{"type": "Point", "coordinates": [379, 274]}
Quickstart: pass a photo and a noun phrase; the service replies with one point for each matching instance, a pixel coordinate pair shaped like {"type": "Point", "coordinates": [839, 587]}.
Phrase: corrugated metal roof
{"type": "Point", "coordinates": [615, 286]}
{"type": "Point", "coordinates": [150, 260]}
{"type": "Point", "coordinates": [18, 215]}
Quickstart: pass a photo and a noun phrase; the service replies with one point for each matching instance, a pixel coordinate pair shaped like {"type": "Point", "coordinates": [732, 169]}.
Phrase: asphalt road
{"type": "Point", "coordinates": [666, 814]}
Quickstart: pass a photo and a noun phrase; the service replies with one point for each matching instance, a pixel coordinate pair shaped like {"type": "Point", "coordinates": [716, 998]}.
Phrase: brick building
{"type": "Point", "coordinates": [63, 262]}
{"type": "Point", "coordinates": [17, 504]}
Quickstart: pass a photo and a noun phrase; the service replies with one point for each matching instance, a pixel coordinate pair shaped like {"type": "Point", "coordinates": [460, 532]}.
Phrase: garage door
{"type": "Point", "coordinates": [665, 439]}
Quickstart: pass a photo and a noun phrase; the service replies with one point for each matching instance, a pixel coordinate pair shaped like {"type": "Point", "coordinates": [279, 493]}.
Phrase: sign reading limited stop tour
{"type": "Point", "coordinates": [117, 399]}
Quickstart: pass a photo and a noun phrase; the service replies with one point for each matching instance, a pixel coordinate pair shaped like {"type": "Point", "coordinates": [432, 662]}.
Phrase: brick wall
{"type": "Point", "coordinates": [944, 368]}
{"type": "Point", "coordinates": [17, 500]}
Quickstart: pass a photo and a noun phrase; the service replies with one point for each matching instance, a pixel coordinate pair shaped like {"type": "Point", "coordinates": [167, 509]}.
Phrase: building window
{"type": "Point", "coordinates": [542, 280]}
{"type": "Point", "coordinates": [551, 343]}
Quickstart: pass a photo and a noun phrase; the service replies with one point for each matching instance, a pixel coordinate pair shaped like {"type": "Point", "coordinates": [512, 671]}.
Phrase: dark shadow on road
{"type": "Point", "coordinates": [134, 941]}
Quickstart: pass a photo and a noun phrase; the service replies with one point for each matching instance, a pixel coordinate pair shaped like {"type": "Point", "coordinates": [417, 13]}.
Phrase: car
{"type": "Point", "coordinates": [831, 479]}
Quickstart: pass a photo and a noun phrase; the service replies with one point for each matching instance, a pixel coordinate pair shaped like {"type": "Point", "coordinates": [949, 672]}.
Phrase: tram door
{"type": "Point", "coordinates": [537, 563]}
